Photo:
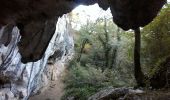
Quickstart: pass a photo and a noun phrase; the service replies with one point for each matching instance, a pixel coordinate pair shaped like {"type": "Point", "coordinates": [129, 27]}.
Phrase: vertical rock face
{"type": "Point", "coordinates": [18, 80]}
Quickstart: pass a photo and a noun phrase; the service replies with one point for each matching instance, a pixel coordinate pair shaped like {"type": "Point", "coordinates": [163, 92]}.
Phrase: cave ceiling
{"type": "Point", "coordinates": [36, 19]}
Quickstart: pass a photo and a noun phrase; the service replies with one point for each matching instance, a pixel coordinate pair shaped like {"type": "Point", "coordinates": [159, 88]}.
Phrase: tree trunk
{"type": "Point", "coordinates": [139, 76]}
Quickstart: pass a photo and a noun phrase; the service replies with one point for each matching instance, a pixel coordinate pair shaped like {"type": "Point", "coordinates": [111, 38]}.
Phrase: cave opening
{"type": "Point", "coordinates": [103, 53]}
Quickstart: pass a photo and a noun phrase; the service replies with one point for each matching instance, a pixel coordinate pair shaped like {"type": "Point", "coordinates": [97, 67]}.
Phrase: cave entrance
{"type": "Point", "coordinates": [83, 14]}
{"type": "Point", "coordinates": [96, 37]}
{"type": "Point", "coordinates": [93, 28]}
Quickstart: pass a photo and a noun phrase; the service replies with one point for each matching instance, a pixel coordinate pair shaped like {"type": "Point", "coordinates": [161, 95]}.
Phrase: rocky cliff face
{"type": "Point", "coordinates": [19, 80]}
{"type": "Point", "coordinates": [29, 36]}
{"type": "Point", "coordinates": [32, 17]}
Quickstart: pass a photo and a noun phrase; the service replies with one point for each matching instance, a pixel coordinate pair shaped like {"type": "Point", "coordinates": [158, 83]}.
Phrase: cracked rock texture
{"type": "Point", "coordinates": [19, 80]}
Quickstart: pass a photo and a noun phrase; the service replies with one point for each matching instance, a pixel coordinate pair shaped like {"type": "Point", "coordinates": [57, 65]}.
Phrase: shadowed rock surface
{"type": "Point", "coordinates": [28, 33]}
{"type": "Point", "coordinates": [18, 80]}
{"type": "Point", "coordinates": [32, 16]}
{"type": "Point", "coordinates": [113, 94]}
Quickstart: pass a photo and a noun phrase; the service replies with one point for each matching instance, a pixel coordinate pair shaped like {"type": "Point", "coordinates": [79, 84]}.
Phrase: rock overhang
{"type": "Point", "coordinates": [36, 19]}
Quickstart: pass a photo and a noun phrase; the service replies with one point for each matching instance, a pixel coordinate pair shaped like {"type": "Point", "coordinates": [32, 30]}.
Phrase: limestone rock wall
{"type": "Point", "coordinates": [19, 80]}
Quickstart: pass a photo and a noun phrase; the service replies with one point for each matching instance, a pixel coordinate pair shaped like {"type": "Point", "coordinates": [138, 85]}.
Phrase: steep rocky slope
{"type": "Point", "coordinates": [19, 80]}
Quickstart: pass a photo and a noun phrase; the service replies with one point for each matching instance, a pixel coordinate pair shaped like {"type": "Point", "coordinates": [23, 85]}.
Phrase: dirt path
{"type": "Point", "coordinates": [53, 92]}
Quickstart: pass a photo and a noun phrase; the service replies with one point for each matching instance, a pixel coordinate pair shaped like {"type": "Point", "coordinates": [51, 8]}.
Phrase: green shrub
{"type": "Point", "coordinates": [82, 82]}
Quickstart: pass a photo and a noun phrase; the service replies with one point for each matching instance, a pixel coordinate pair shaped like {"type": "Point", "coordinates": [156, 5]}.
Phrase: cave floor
{"type": "Point", "coordinates": [54, 91]}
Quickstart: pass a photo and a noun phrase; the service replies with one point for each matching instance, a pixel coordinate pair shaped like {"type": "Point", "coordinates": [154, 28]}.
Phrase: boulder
{"type": "Point", "coordinates": [113, 94]}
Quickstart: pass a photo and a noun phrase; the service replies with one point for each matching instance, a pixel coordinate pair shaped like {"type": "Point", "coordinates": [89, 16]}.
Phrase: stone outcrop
{"type": "Point", "coordinates": [129, 94]}
{"type": "Point", "coordinates": [32, 16]}
{"type": "Point", "coordinates": [131, 14]}
{"type": "Point", "coordinates": [29, 37]}
{"type": "Point", "coordinates": [114, 94]}
{"type": "Point", "coordinates": [19, 80]}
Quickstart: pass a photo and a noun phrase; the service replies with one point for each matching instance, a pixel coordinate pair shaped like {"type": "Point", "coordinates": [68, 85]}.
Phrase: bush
{"type": "Point", "coordinates": [82, 82]}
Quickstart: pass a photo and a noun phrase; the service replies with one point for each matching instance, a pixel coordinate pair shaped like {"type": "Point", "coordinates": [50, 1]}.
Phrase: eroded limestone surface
{"type": "Point", "coordinates": [19, 80]}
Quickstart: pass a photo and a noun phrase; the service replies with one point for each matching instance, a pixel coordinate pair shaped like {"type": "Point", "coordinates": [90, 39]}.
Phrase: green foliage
{"type": "Point", "coordinates": [82, 82]}
{"type": "Point", "coordinates": [101, 61]}
{"type": "Point", "coordinates": [100, 37]}
{"type": "Point", "coordinates": [157, 67]}
{"type": "Point", "coordinates": [156, 40]}
{"type": "Point", "coordinates": [104, 55]}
